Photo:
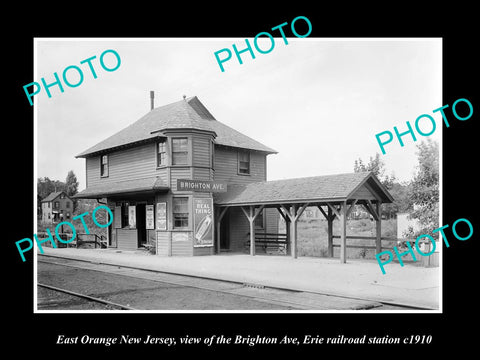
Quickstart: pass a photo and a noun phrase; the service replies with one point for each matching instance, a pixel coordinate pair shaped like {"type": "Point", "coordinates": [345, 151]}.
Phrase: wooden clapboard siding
{"type": "Point", "coordinates": [202, 173]}
{"type": "Point", "coordinates": [226, 166]}
{"type": "Point", "coordinates": [92, 170]}
{"type": "Point", "coordinates": [207, 250]}
{"type": "Point", "coordinates": [363, 193]}
{"type": "Point", "coordinates": [239, 229]}
{"type": "Point", "coordinates": [163, 238]}
{"type": "Point", "coordinates": [127, 164]}
{"type": "Point", "coordinates": [127, 239]}
{"type": "Point", "coordinates": [183, 248]}
{"type": "Point", "coordinates": [271, 220]}
{"type": "Point", "coordinates": [183, 172]}
{"type": "Point", "coordinates": [162, 173]}
{"type": "Point", "coordinates": [201, 150]}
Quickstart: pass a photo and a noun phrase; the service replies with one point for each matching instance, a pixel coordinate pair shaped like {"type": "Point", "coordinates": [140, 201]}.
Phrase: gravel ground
{"type": "Point", "coordinates": [134, 292]}
{"type": "Point", "coordinates": [53, 300]}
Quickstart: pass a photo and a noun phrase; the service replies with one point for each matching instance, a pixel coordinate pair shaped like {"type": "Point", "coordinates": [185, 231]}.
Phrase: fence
{"type": "Point", "coordinates": [99, 241]}
{"type": "Point", "coordinates": [359, 246]}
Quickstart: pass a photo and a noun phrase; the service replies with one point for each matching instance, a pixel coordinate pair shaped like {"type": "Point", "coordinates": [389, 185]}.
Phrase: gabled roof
{"type": "Point", "coordinates": [53, 195]}
{"type": "Point", "coordinates": [189, 113]}
{"type": "Point", "coordinates": [328, 188]}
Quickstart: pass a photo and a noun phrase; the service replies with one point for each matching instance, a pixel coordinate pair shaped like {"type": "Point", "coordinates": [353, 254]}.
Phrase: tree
{"type": "Point", "coordinates": [71, 184]}
{"type": "Point", "coordinates": [425, 192]}
{"type": "Point", "coordinates": [377, 166]}
{"type": "Point", "coordinates": [45, 186]}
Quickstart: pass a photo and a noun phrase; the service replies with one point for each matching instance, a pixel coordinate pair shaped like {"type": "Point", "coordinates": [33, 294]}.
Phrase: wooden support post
{"type": "Point", "coordinates": [334, 209]}
{"type": "Point", "coordinates": [252, 230]}
{"type": "Point", "coordinates": [251, 216]}
{"type": "Point", "coordinates": [343, 232]}
{"type": "Point", "coordinates": [293, 215]}
{"type": "Point", "coordinates": [322, 211]}
{"type": "Point", "coordinates": [293, 230]}
{"type": "Point", "coordinates": [287, 225]}
{"type": "Point", "coordinates": [378, 240]}
{"type": "Point", "coordinates": [169, 243]}
{"type": "Point", "coordinates": [330, 218]}
{"type": "Point", "coordinates": [351, 207]}
{"type": "Point", "coordinates": [218, 236]}
{"type": "Point", "coordinates": [221, 212]}
{"type": "Point", "coordinates": [369, 206]}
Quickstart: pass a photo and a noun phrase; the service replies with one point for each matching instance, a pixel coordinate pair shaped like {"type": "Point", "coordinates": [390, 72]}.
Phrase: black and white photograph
{"type": "Point", "coordinates": [271, 184]}
{"type": "Point", "coordinates": [239, 187]}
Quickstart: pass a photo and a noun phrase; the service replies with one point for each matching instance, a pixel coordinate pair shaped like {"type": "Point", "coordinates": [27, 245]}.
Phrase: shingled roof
{"type": "Point", "coordinates": [122, 187]}
{"type": "Point", "coordinates": [189, 113]}
{"type": "Point", "coordinates": [53, 195]}
{"type": "Point", "coordinates": [339, 187]}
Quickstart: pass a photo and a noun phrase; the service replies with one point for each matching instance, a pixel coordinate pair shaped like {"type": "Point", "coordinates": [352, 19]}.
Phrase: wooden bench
{"type": "Point", "coordinates": [271, 243]}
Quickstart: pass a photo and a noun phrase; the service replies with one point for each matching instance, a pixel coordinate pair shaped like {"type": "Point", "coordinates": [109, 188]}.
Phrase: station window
{"type": "Point", "coordinates": [244, 162]}
{"type": "Point", "coordinates": [180, 151]}
{"type": "Point", "coordinates": [162, 153]}
{"type": "Point", "coordinates": [67, 204]}
{"type": "Point", "coordinates": [56, 204]}
{"type": "Point", "coordinates": [104, 165]}
{"type": "Point", "coordinates": [180, 212]}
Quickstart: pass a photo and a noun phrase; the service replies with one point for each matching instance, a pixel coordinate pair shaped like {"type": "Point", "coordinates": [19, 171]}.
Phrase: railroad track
{"type": "Point", "coordinates": [305, 303]}
{"type": "Point", "coordinates": [87, 297]}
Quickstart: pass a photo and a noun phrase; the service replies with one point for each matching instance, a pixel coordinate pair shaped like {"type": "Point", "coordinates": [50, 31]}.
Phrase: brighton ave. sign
{"type": "Point", "coordinates": [201, 185]}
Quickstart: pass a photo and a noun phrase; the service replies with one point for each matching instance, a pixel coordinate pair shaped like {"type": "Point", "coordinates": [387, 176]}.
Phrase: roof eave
{"type": "Point", "coordinates": [269, 151]}
{"type": "Point", "coordinates": [87, 154]}
{"type": "Point", "coordinates": [323, 201]}
{"type": "Point", "coordinates": [129, 192]}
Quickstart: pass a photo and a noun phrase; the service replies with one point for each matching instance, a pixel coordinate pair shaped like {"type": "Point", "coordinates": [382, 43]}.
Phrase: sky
{"type": "Point", "coordinates": [318, 102]}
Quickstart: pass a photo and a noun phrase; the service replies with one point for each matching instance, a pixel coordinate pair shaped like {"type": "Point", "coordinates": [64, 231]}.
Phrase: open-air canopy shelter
{"type": "Point", "coordinates": [334, 195]}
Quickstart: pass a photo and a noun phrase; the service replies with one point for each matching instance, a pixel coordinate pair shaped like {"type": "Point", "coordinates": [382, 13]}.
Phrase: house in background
{"type": "Point", "coordinates": [56, 207]}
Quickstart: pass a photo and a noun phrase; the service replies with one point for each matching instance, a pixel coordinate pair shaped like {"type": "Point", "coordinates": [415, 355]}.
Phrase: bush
{"type": "Point", "coordinates": [313, 237]}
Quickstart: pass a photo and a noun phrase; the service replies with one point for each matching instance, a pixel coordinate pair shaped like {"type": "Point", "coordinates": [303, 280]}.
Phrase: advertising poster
{"type": "Point", "coordinates": [149, 217]}
{"type": "Point", "coordinates": [162, 216]}
{"type": "Point", "coordinates": [203, 222]}
{"type": "Point", "coordinates": [132, 223]}
{"type": "Point", "coordinates": [179, 236]}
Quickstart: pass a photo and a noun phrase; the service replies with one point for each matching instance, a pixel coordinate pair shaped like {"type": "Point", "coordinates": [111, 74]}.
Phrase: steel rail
{"type": "Point", "coordinates": [88, 297]}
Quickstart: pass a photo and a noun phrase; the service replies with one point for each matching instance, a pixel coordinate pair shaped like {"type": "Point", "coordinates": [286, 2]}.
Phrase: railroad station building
{"type": "Point", "coordinates": [188, 184]}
